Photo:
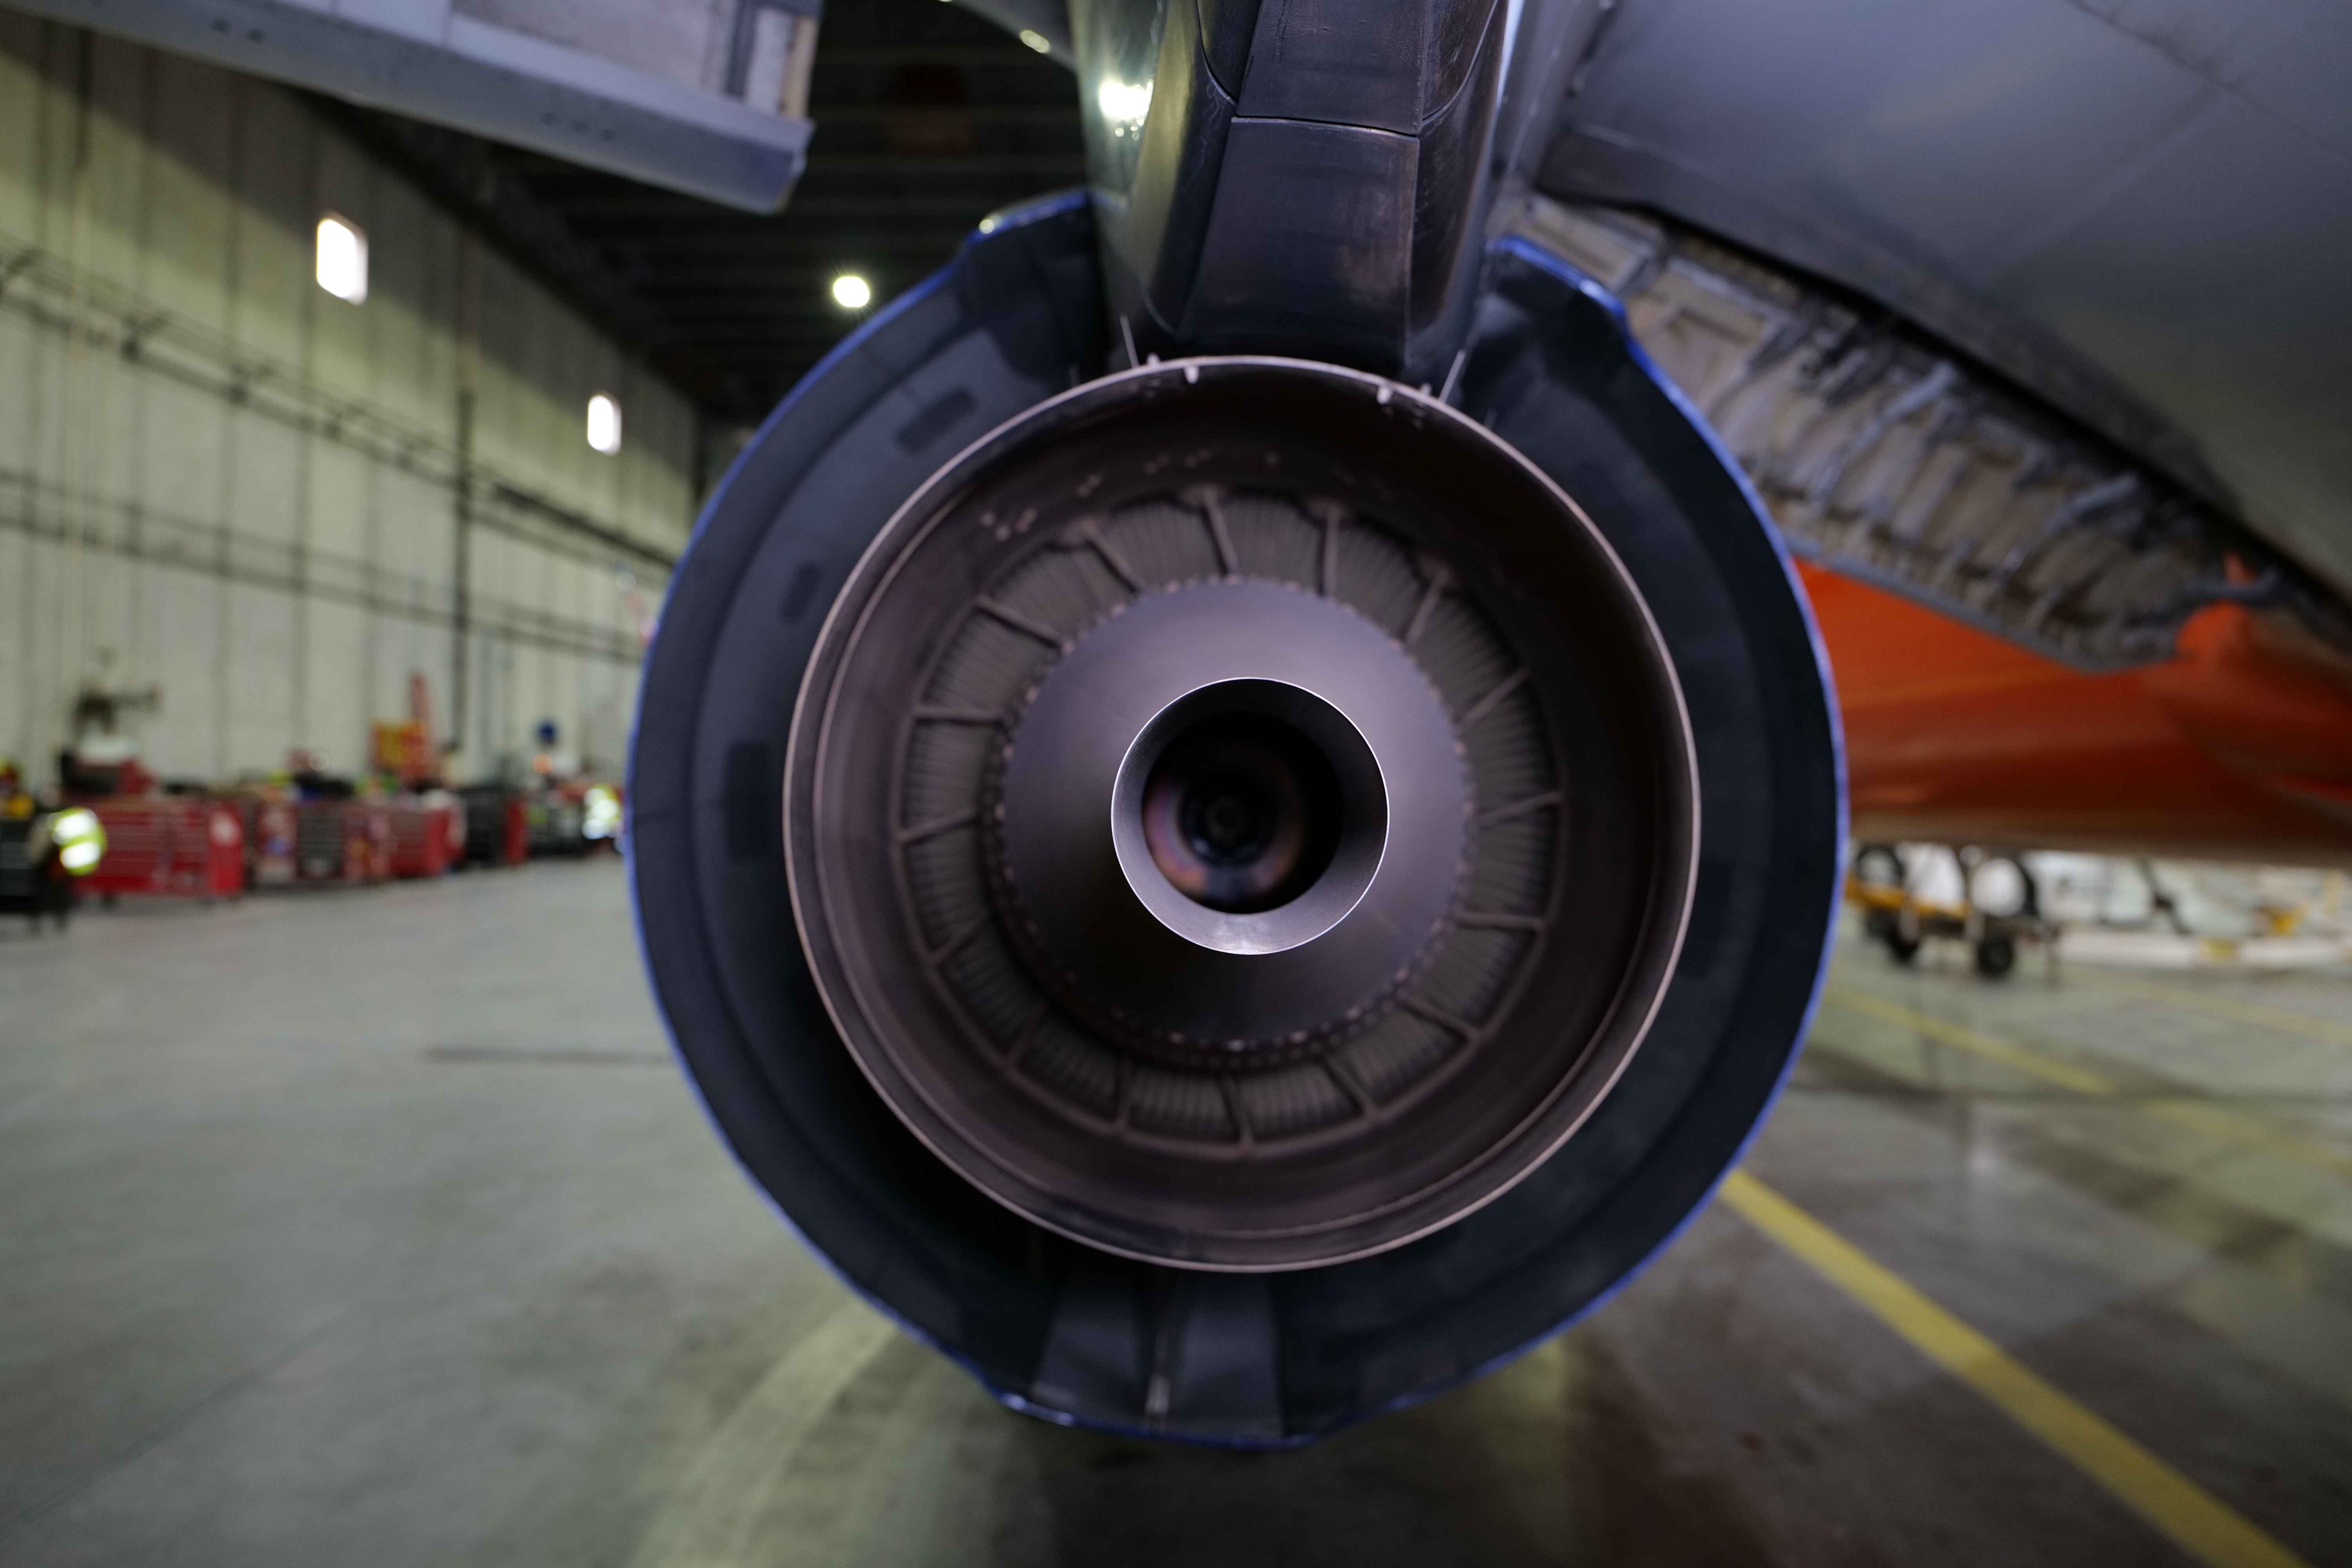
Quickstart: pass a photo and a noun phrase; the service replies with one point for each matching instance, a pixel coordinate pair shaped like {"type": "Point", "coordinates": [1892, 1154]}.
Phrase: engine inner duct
{"type": "Point", "coordinates": [1241, 815]}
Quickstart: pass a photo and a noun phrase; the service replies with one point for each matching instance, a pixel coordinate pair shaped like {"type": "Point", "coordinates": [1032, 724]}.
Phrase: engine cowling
{"type": "Point", "coordinates": [1233, 894]}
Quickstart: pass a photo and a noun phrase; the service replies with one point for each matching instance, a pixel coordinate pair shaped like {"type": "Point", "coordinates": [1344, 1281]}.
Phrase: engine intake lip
{"type": "Point", "coordinates": [1560, 890]}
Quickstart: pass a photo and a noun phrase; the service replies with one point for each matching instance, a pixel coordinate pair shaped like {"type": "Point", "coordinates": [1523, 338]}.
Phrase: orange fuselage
{"type": "Point", "coordinates": [2239, 747]}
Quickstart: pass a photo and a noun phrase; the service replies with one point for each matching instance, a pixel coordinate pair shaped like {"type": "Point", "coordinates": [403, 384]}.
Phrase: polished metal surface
{"type": "Point", "coordinates": [1073, 831]}
{"type": "Point", "coordinates": [1239, 797]}
{"type": "Point", "coordinates": [1077, 598]}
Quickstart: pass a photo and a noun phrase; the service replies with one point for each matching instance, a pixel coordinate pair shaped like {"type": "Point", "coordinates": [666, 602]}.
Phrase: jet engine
{"type": "Point", "coordinates": [1225, 882]}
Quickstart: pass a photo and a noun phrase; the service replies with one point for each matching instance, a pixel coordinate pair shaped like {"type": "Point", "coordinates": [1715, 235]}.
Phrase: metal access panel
{"type": "Point", "coordinates": [708, 97]}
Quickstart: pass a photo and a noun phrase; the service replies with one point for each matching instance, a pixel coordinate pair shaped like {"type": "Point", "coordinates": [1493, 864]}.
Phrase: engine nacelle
{"type": "Point", "coordinates": [1233, 894]}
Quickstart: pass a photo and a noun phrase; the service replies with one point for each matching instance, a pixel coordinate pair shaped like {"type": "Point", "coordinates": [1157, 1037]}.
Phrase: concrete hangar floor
{"type": "Point", "coordinates": [380, 1229]}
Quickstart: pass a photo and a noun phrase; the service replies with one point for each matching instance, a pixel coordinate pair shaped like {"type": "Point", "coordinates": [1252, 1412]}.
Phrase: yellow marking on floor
{"type": "Point", "coordinates": [2214, 1119]}
{"type": "Point", "coordinates": [711, 1517]}
{"type": "Point", "coordinates": [2193, 1517]}
{"type": "Point", "coordinates": [2237, 1011]}
{"type": "Point", "coordinates": [2082, 1080]}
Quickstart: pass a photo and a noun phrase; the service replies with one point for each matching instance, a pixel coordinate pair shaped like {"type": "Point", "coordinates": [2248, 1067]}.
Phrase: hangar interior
{"type": "Point", "coordinates": [236, 493]}
{"type": "Point", "coordinates": [373, 416]}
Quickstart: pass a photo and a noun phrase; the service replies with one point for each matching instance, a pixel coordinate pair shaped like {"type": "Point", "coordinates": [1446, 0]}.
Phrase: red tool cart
{"type": "Point", "coordinates": [269, 827]}
{"type": "Point", "coordinates": [498, 826]}
{"type": "Point", "coordinates": [428, 834]}
{"type": "Point", "coordinates": [169, 845]}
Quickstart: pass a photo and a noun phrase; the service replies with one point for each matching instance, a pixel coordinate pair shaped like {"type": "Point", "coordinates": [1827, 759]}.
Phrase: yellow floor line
{"type": "Point", "coordinates": [2193, 1517]}
{"type": "Point", "coordinates": [2082, 1080]}
{"type": "Point", "coordinates": [2237, 1011]}
{"type": "Point", "coordinates": [2214, 1119]}
{"type": "Point", "coordinates": [711, 1516]}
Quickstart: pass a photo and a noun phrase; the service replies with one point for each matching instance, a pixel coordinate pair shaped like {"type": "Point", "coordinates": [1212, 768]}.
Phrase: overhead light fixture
{"type": "Point", "coordinates": [604, 424]}
{"type": "Point", "coordinates": [1036, 41]}
{"type": "Point", "coordinates": [342, 259]}
{"type": "Point", "coordinates": [1123, 104]}
{"type": "Point", "coordinates": [851, 292]}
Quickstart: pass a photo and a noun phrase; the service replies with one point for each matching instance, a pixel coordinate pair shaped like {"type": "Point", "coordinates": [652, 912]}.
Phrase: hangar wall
{"type": "Point", "coordinates": [269, 506]}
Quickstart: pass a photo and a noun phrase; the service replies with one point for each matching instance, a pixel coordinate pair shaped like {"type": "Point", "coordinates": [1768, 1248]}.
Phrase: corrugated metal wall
{"type": "Point", "coordinates": [270, 505]}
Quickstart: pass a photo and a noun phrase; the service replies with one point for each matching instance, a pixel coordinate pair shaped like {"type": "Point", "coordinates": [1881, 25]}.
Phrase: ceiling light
{"type": "Point", "coordinates": [851, 292]}
{"type": "Point", "coordinates": [604, 425]}
{"type": "Point", "coordinates": [1036, 41]}
{"type": "Point", "coordinates": [1123, 104]}
{"type": "Point", "coordinates": [342, 259]}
